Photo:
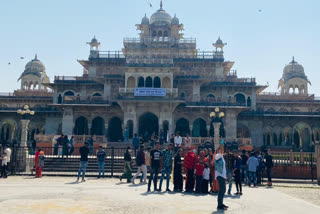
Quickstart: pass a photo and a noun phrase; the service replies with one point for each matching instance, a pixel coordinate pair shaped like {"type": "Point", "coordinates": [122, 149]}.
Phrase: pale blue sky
{"type": "Point", "coordinates": [260, 43]}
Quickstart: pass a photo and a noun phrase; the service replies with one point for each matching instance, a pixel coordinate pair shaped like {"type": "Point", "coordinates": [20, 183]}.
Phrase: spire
{"type": "Point", "coordinates": [36, 57]}
{"type": "Point", "coordinates": [293, 61]}
{"type": "Point", "coordinates": [161, 5]}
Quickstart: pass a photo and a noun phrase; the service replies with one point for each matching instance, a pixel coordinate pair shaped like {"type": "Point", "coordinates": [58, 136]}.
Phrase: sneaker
{"type": "Point", "coordinates": [148, 190]}
{"type": "Point", "coordinates": [240, 193]}
{"type": "Point", "coordinates": [221, 208]}
{"type": "Point", "coordinates": [158, 190]}
{"type": "Point", "coordinates": [237, 193]}
{"type": "Point", "coordinates": [229, 192]}
{"type": "Point", "coordinates": [168, 190]}
{"type": "Point", "coordinates": [225, 206]}
{"type": "Point", "coordinates": [83, 180]}
{"type": "Point", "coordinates": [120, 177]}
{"type": "Point", "coordinates": [132, 181]}
{"type": "Point", "coordinates": [77, 181]}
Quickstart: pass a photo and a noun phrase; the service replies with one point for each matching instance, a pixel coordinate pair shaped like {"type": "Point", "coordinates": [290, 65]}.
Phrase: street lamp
{"type": "Point", "coordinates": [25, 113]}
{"type": "Point", "coordinates": [216, 119]}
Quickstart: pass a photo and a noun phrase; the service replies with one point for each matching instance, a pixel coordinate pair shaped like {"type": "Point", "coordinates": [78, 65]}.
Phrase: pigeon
{"type": "Point", "coordinates": [21, 57]}
{"type": "Point", "coordinates": [150, 4]}
{"type": "Point", "coordinates": [260, 10]}
{"type": "Point", "coordinates": [9, 63]}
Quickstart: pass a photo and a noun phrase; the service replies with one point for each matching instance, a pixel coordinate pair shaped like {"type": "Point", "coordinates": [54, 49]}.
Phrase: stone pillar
{"type": "Point", "coordinates": [196, 91]}
{"type": "Point", "coordinates": [216, 138]}
{"type": "Point", "coordinates": [317, 153]}
{"type": "Point", "coordinates": [24, 132]}
{"type": "Point", "coordinates": [67, 121]}
{"type": "Point", "coordinates": [231, 124]}
{"type": "Point", "coordinates": [106, 91]}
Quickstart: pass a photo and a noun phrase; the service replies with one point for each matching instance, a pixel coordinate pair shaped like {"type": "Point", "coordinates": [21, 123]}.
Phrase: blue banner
{"type": "Point", "coordinates": [150, 92]}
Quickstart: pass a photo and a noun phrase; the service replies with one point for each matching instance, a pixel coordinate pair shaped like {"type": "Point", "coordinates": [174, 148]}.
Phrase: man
{"type": "Point", "coordinates": [141, 163]}
{"type": "Point", "coordinates": [269, 164]}
{"type": "Point", "coordinates": [189, 165]}
{"type": "Point", "coordinates": [187, 141]}
{"type": "Point", "coordinates": [229, 159]}
{"type": "Point", "coordinates": [244, 167]}
{"type": "Point", "coordinates": [177, 142]}
{"type": "Point", "coordinates": [220, 175]}
{"type": "Point", "coordinates": [155, 158]}
{"type": "Point", "coordinates": [135, 143]}
{"type": "Point", "coordinates": [260, 168]}
{"type": "Point", "coordinates": [84, 151]}
{"type": "Point", "coordinates": [166, 166]}
{"type": "Point", "coordinates": [101, 156]}
{"type": "Point", "coordinates": [252, 163]}
{"type": "Point", "coordinates": [7, 150]}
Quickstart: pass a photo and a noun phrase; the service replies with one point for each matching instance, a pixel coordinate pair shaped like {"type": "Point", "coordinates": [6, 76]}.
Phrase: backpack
{"type": "Point", "coordinates": [139, 160]}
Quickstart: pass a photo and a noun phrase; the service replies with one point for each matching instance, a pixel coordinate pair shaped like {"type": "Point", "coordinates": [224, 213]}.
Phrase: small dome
{"type": "Point", "coordinates": [160, 18]}
{"type": "Point", "coordinates": [175, 20]}
{"type": "Point", "coordinates": [35, 65]}
{"type": "Point", "coordinates": [145, 20]}
{"type": "Point", "coordinates": [293, 70]}
{"type": "Point", "coordinates": [219, 41]}
{"type": "Point", "coordinates": [94, 40]}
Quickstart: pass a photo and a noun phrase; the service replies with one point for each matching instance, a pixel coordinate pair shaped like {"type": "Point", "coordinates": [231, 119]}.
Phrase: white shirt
{"type": "Point", "coordinates": [206, 173]}
{"type": "Point", "coordinates": [4, 161]}
{"type": "Point", "coordinates": [224, 171]}
{"type": "Point", "coordinates": [187, 141]}
{"type": "Point", "coordinates": [8, 152]}
{"type": "Point", "coordinates": [177, 141]}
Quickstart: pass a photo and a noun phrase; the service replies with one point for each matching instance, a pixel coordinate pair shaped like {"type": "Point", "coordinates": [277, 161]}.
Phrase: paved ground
{"type": "Point", "coordinates": [59, 195]}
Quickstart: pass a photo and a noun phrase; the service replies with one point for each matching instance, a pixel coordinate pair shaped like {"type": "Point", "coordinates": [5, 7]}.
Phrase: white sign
{"type": "Point", "coordinates": [150, 92]}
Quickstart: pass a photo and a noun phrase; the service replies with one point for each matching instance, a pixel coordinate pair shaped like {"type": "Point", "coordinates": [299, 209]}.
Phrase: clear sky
{"type": "Point", "coordinates": [260, 43]}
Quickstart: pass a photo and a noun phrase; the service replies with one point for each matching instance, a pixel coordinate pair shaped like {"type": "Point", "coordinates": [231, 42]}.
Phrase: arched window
{"type": "Point", "coordinates": [98, 127]}
{"type": "Point", "coordinates": [154, 33]}
{"type": "Point", "coordinates": [199, 128]}
{"type": "Point", "coordinates": [166, 34]}
{"type": "Point", "coordinates": [81, 126]}
{"type": "Point", "coordinates": [182, 126]}
{"type": "Point", "coordinates": [59, 99]}
{"type": "Point", "coordinates": [166, 83]}
{"type": "Point", "coordinates": [160, 34]}
{"type": "Point", "coordinates": [148, 82]}
{"type": "Point", "coordinates": [240, 99]}
{"type": "Point", "coordinates": [131, 82]}
{"type": "Point", "coordinates": [275, 139]}
{"type": "Point", "coordinates": [115, 130]}
{"type": "Point", "coordinates": [157, 82]}
{"type": "Point", "coordinates": [140, 82]}
{"type": "Point", "coordinates": [249, 102]}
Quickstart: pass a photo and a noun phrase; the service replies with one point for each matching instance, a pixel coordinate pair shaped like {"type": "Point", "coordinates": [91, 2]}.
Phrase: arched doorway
{"type": "Point", "coordinates": [240, 99]}
{"type": "Point", "coordinates": [305, 135]}
{"type": "Point", "coordinates": [148, 125]}
{"type": "Point", "coordinates": [243, 131]}
{"type": "Point", "coordinates": [6, 132]}
{"type": "Point", "coordinates": [199, 128]}
{"type": "Point", "coordinates": [249, 102]}
{"type": "Point", "coordinates": [115, 130]}
{"type": "Point", "coordinates": [166, 83]}
{"type": "Point", "coordinates": [140, 82]}
{"type": "Point", "coordinates": [157, 82]}
{"type": "Point", "coordinates": [148, 82]}
{"type": "Point", "coordinates": [98, 127]}
{"type": "Point", "coordinates": [296, 139]}
{"type": "Point", "coordinates": [182, 126]}
{"type": "Point", "coordinates": [268, 140]}
{"type": "Point", "coordinates": [81, 126]}
{"type": "Point", "coordinates": [130, 127]}
{"type": "Point", "coordinates": [131, 82]}
{"type": "Point", "coordinates": [165, 126]}
{"type": "Point", "coordinates": [280, 139]}
{"type": "Point", "coordinates": [59, 99]}
{"type": "Point", "coordinates": [275, 139]}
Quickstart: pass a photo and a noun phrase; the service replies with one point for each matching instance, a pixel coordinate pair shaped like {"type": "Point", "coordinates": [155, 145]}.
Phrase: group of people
{"type": "Point", "coordinates": [63, 146]}
{"type": "Point", "coordinates": [5, 159]}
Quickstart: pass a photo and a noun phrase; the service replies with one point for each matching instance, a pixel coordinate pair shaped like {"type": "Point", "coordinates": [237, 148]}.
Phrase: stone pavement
{"type": "Point", "coordinates": [59, 195]}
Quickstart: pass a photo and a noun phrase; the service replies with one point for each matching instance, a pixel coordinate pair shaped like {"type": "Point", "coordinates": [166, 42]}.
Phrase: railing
{"type": "Point", "coordinates": [111, 54]}
{"type": "Point", "coordinates": [70, 100]}
{"type": "Point", "coordinates": [293, 158]}
{"type": "Point", "coordinates": [77, 139]}
{"type": "Point", "coordinates": [131, 90]}
{"type": "Point", "coordinates": [207, 103]}
{"type": "Point", "coordinates": [153, 61]}
{"type": "Point", "coordinates": [159, 39]}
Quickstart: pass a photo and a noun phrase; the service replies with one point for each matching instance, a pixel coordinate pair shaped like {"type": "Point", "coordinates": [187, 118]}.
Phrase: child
{"type": "Point", "coordinates": [40, 165]}
{"type": "Point", "coordinates": [4, 164]}
{"type": "Point", "coordinates": [206, 177]}
{"type": "Point", "coordinates": [199, 175]}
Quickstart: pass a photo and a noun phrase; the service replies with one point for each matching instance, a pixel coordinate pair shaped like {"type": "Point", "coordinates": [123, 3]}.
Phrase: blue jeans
{"type": "Point", "coordinates": [198, 183]}
{"type": "Point", "coordinates": [101, 168]}
{"type": "Point", "coordinates": [229, 175]}
{"type": "Point", "coordinates": [252, 178]}
{"type": "Point", "coordinates": [167, 171]}
{"type": "Point", "coordinates": [244, 173]}
{"type": "Point", "coordinates": [91, 150]}
{"type": "Point", "coordinates": [82, 168]}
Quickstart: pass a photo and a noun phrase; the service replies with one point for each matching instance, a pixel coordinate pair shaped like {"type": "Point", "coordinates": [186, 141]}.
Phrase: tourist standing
{"type": "Point", "coordinates": [189, 164]}
{"type": "Point", "coordinates": [4, 164]}
{"type": "Point", "coordinates": [127, 167]}
{"type": "Point", "coordinates": [155, 158]}
{"type": "Point", "coordinates": [199, 175]}
{"type": "Point", "coordinates": [237, 174]}
{"type": "Point", "coordinates": [72, 146]}
{"type": "Point", "coordinates": [101, 156]}
{"type": "Point", "coordinates": [34, 146]}
{"type": "Point", "coordinates": [141, 163]}
{"type": "Point", "coordinates": [220, 175]}
{"type": "Point", "coordinates": [65, 148]}
{"type": "Point", "coordinates": [228, 157]}
{"type": "Point", "coordinates": [90, 142]}
{"type": "Point", "coordinates": [8, 152]}
{"type": "Point", "coordinates": [252, 163]}
{"type": "Point", "coordinates": [210, 158]}
{"type": "Point", "coordinates": [269, 164]}
{"type": "Point", "coordinates": [177, 175]}
{"type": "Point", "coordinates": [36, 160]}
{"type": "Point", "coordinates": [187, 141]}
{"type": "Point", "coordinates": [244, 167]}
{"type": "Point", "coordinates": [84, 152]}
{"type": "Point", "coordinates": [135, 143]}
{"type": "Point", "coordinates": [177, 142]}
{"type": "Point", "coordinates": [166, 166]}
{"type": "Point", "coordinates": [206, 178]}
{"type": "Point", "coordinates": [40, 165]}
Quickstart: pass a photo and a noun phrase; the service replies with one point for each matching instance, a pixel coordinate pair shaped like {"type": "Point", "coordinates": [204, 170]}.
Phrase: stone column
{"type": "Point", "coordinates": [317, 153]}
{"type": "Point", "coordinates": [24, 132]}
{"type": "Point", "coordinates": [67, 121]}
{"type": "Point", "coordinates": [231, 124]}
{"type": "Point", "coordinates": [216, 138]}
{"type": "Point", "coordinates": [196, 91]}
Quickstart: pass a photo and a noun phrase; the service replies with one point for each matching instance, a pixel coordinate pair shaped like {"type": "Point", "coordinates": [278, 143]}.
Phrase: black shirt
{"type": "Point", "coordinates": [155, 158]}
{"type": "Point", "coordinates": [84, 151]}
{"type": "Point", "coordinates": [244, 159]}
{"type": "Point", "coordinates": [127, 156]}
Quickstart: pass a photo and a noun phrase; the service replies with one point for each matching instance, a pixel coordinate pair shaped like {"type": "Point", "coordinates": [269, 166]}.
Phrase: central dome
{"type": "Point", "coordinates": [293, 70]}
{"type": "Point", "coordinates": [161, 17]}
{"type": "Point", "coordinates": [35, 65]}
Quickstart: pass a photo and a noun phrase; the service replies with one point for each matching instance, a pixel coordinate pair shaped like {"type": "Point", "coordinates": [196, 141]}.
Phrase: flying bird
{"type": "Point", "coordinates": [21, 57]}
{"type": "Point", "coordinates": [9, 63]}
{"type": "Point", "coordinates": [260, 10]}
{"type": "Point", "coordinates": [150, 4]}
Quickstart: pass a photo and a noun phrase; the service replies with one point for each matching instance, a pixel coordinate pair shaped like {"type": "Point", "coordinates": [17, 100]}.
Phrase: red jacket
{"type": "Point", "coordinates": [199, 169]}
{"type": "Point", "coordinates": [189, 160]}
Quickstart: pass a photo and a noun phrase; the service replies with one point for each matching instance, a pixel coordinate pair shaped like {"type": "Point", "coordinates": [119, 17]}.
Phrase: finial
{"type": "Point", "coordinates": [161, 5]}
{"type": "Point", "coordinates": [36, 57]}
{"type": "Point", "coordinates": [145, 15]}
{"type": "Point", "coordinates": [293, 61]}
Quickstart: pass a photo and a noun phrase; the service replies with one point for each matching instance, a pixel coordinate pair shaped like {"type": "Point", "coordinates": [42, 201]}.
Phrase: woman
{"type": "Point", "coordinates": [215, 184]}
{"type": "Point", "coordinates": [127, 169]}
{"type": "Point", "coordinates": [177, 175]}
{"type": "Point", "coordinates": [65, 143]}
{"type": "Point", "coordinates": [36, 158]}
{"type": "Point", "coordinates": [40, 165]}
